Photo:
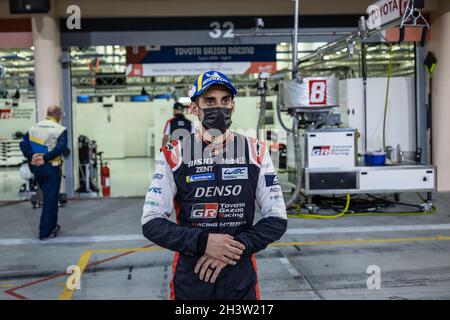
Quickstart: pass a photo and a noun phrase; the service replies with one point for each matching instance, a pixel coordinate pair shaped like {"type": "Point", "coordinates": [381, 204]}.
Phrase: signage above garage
{"type": "Point", "coordinates": [385, 11]}
{"type": "Point", "coordinates": [211, 30]}
{"type": "Point", "coordinates": [191, 60]}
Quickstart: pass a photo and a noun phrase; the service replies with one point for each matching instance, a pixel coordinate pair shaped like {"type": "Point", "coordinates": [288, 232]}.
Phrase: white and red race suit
{"type": "Point", "coordinates": [213, 190]}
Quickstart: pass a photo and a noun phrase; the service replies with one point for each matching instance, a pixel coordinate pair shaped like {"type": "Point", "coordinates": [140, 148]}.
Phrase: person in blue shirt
{"type": "Point", "coordinates": [43, 145]}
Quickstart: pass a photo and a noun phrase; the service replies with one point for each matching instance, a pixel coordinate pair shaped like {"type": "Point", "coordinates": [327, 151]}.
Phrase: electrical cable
{"type": "Point", "coordinates": [262, 111]}
{"type": "Point", "coordinates": [278, 107]}
{"type": "Point", "coordinates": [348, 212]}
{"type": "Point", "coordinates": [388, 213]}
{"type": "Point", "coordinates": [421, 198]}
{"type": "Point", "coordinates": [387, 95]}
{"type": "Point", "coordinates": [318, 216]}
{"type": "Point", "coordinates": [298, 186]}
{"type": "Point", "coordinates": [395, 202]}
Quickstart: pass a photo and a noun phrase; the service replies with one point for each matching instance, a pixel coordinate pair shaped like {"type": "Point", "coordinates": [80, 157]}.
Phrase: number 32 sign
{"type": "Point", "coordinates": [226, 30]}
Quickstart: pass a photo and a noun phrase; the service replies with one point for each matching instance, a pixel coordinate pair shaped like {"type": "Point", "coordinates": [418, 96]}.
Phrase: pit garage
{"type": "Point", "coordinates": [349, 98]}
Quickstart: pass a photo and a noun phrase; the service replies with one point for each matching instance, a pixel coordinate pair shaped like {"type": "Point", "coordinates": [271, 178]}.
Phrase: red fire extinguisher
{"type": "Point", "coordinates": [106, 182]}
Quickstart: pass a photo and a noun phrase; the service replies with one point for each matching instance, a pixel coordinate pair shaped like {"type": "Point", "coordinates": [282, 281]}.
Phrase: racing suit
{"type": "Point", "coordinates": [213, 190]}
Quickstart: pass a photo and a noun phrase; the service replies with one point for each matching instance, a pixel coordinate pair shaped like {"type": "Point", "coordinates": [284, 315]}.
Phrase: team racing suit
{"type": "Point", "coordinates": [214, 191]}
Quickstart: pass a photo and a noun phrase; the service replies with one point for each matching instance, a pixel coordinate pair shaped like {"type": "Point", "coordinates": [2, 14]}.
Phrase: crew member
{"type": "Point", "coordinates": [176, 125]}
{"type": "Point", "coordinates": [43, 145]}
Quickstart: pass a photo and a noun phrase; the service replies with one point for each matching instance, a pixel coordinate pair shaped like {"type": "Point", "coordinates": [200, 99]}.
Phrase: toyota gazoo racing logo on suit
{"type": "Point", "coordinates": [232, 210]}
{"type": "Point", "coordinates": [234, 173]}
{"type": "Point", "coordinates": [204, 210]}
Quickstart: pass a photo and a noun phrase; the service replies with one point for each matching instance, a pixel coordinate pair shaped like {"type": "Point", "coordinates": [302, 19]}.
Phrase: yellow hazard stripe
{"type": "Point", "coordinates": [82, 263]}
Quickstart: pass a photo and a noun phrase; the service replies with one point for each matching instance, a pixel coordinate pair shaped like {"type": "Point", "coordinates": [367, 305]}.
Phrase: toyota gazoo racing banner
{"type": "Point", "coordinates": [193, 60]}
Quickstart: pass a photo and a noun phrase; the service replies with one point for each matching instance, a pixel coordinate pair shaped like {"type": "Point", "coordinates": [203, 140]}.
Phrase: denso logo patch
{"type": "Point", "coordinates": [234, 173]}
{"type": "Point", "coordinates": [218, 191]}
{"type": "Point", "coordinates": [204, 210]}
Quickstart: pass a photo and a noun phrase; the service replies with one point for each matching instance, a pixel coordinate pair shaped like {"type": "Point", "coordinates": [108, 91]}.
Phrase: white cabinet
{"type": "Point", "coordinates": [400, 121]}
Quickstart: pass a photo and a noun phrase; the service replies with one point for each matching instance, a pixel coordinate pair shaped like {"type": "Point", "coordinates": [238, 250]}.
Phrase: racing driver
{"type": "Point", "coordinates": [211, 180]}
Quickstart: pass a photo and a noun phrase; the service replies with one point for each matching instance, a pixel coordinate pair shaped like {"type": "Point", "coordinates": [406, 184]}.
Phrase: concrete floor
{"type": "Point", "coordinates": [10, 183]}
{"type": "Point", "coordinates": [328, 259]}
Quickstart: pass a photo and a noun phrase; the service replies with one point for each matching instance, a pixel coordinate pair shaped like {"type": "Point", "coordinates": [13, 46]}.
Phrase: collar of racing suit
{"type": "Point", "coordinates": [201, 133]}
{"type": "Point", "coordinates": [219, 147]}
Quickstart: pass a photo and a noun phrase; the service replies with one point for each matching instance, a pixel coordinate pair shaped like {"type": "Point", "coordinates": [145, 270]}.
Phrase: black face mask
{"type": "Point", "coordinates": [217, 118]}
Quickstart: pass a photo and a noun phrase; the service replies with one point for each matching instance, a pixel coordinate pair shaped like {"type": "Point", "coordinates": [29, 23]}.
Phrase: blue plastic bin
{"type": "Point", "coordinates": [140, 98]}
{"type": "Point", "coordinates": [375, 158]}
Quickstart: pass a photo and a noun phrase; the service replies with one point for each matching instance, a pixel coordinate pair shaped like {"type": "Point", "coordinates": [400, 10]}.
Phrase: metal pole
{"type": "Point", "coordinates": [420, 111]}
{"type": "Point", "coordinates": [67, 120]}
{"type": "Point", "coordinates": [354, 36]}
{"type": "Point", "coordinates": [295, 43]}
{"type": "Point", "coordinates": [262, 112]}
{"type": "Point", "coordinates": [364, 77]}
{"type": "Point", "coordinates": [283, 34]}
